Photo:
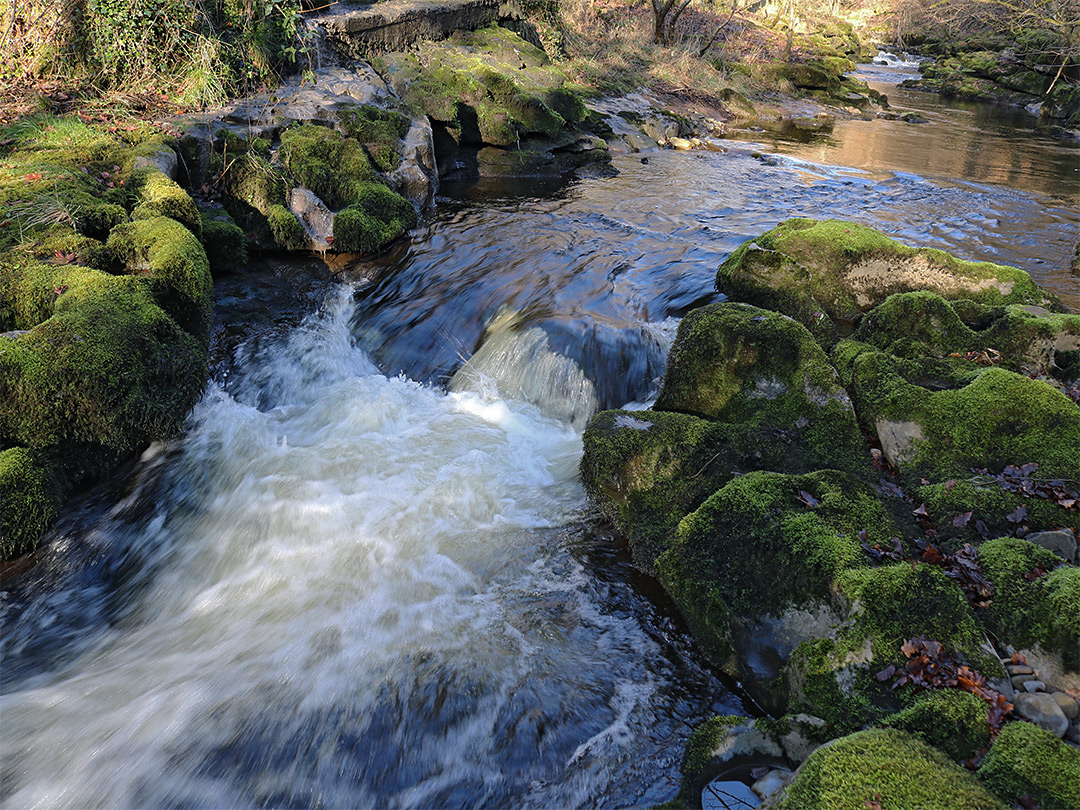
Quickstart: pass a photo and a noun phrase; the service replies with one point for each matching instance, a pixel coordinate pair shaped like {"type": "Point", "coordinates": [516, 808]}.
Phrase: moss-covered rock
{"type": "Point", "coordinates": [886, 767]}
{"type": "Point", "coordinates": [1032, 607]}
{"type": "Point", "coordinates": [104, 346]}
{"type": "Point", "coordinates": [1026, 760]}
{"type": "Point", "coordinates": [158, 196]}
{"type": "Point", "coordinates": [835, 677]}
{"type": "Point", "coordinates": [173, 259]}
{"type": "Point", "coordinates": [223, 240]}
{"type": "Point", "coordinates": [30, 498]}
{"type": "Point", "coordinates": [990, 507]}
{"type": "Point", "coordinates": [376, 217]}
{"type": "Point", "coordinates": [923, 325]}
{"type": "Point", "coordinates": [378, 131]}
{"type": "Point", "coordinates": [768, 547]}
{"type": "Point", "coordinates": [998, 419]}
{"type": "Point", "coordinates": [287, 230]}
{"type": "Point", "coordinates": [109, 367]}
{"type": "Point", "coordinates": [953, 721]}
{"type": "Point", "coordinates": [331, 164]}
{"type": "Point", "coordinates": [827, 273]}
{"type": "Point", "coordinates": [487, 86]}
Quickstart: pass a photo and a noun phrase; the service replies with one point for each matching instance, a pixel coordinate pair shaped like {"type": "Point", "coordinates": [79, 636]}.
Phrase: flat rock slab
{"type": "Point", "coordinates": [397, 24]}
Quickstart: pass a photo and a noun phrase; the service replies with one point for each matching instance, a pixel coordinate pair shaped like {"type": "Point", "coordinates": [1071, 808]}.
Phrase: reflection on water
{"type": "Point", "coordinates": [977, 142]}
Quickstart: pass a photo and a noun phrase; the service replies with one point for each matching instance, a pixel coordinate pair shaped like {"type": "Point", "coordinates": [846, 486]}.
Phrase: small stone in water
{"type": "Point", "coordinates": [771, 782]}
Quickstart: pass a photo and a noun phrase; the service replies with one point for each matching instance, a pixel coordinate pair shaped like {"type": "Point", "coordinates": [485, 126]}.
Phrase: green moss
{"type": "Point", "coordinates": [158, 196]}
{"type": "Point", "coordinates": [287, 230]}
{"type": "Point", "coordinates": [825, 274]}
{"type": "Point", "coordinates": [30, 499]}
{"type": "Point", "coordinates": [329, 163]}
{"type": "Point", "coordinates": [924, 325]}
{"type": "Point", "coordinates": [256, 183]}
{"type": "Point", "coordinates": [376, 218]}
{"type": "Point", "coordinates": [888, 766]}
{"type": "Point", "coordinates": [379, 131]}
{"type": "Point", "coordinates": [1045, 610]}
{"type": "Point", "coordinates": [835, 678]}
{"type": "Point", "coordinates": [223, 241]}
{"type": "Point", "coordinates": [1000, 418]}
{"type": "Point", "coordinates": [109, 369]}
{"type": "Point", "coordinates": [174, 260]}
{"type": "Point", "coordinates": [755, 368]}
{"type": "Point", "coordinates": [788, 553]}
{"type": "Point", "coordinates": [489, 86]}
{"type": "Point", "coordinates": [647, 470]}
{"type": "Point", "coordinates": [951, 720]}
{"type": "Point", "coordinates": [1026, 760]}
{"type": "Point", "coordinates": [950, 501]}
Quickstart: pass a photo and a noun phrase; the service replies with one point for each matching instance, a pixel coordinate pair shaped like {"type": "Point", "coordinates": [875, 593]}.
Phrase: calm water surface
{"type": "Point", "coordinates": [367, 576]}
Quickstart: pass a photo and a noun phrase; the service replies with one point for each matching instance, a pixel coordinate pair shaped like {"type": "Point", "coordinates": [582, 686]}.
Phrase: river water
{"type": "Point", "coordinates": [366, 575]}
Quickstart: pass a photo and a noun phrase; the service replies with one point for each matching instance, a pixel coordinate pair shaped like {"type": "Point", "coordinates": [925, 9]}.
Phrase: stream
{"type": "Point", "coordinates": [366, 575]}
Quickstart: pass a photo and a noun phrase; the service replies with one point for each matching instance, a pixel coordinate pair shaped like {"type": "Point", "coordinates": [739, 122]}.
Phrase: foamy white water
{"type": "Point", "coordinates": [363, 599]}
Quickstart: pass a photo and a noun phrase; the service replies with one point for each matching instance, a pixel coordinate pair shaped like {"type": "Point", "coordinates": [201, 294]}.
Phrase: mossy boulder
{"type": "Point", "coordinates": [1026, 760]}
{"type": "Point", "coordinates": [376, 217]}
{"type": "Point", "coordinates": [331, 164]}
{"type": "Point", "coordinates": [159, 196]}
{"type": "Point", "coordinates": [174, 261]}
{"type": "Point", "coordinates": [1000, 418]}
{"type": "Point", "coordinates": [1036, 600]}
{"type": "Point", "coordinates": [922, 325]}
{"type": "Point", "coordinates": [223, 240]}
{"type": "Point", "coordinates": [488, 87]}
{"type": "Point", "coordinates": [108, 367]}
{"type": "Point", "coordinates": [887, 768]}
{"type": "Point", "coordinates": [738, 363]}
{"type": "Point", "coordinates": [754, 569]}
{"type": "Point", "coordinates": [827, 273]}
{"type": "Point", "coordinates": [745, 389]}
{"type": "Point", "coordinates": [104, 344]}
{"type": "Point", "coordinates": [953, 721]}
{"type": "Point", "coordinates": [834, 677]}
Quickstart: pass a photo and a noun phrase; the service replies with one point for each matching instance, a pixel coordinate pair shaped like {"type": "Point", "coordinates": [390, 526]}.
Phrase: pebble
{"type": "Point", "coordinates": [1042, 710]}
{"type": "Point", "coordinates": [1035, 686]}
{"type": "Point", "coordinates": [1020, 680]}
{"type": "Point", "coordinates": [1019, 669]}
{"type": "Point", "coordinates": [1073, 734]}
{"type": "Point", "coordinates": [1069, 705]}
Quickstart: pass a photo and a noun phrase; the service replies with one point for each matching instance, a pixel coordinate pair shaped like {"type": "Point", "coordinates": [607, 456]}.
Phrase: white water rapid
{"type": "Point", "coordinates": [363, 598]}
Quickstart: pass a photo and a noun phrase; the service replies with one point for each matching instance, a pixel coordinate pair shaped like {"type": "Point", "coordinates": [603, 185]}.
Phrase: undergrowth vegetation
{"type": "Point", "coordinates": [199, 53]}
